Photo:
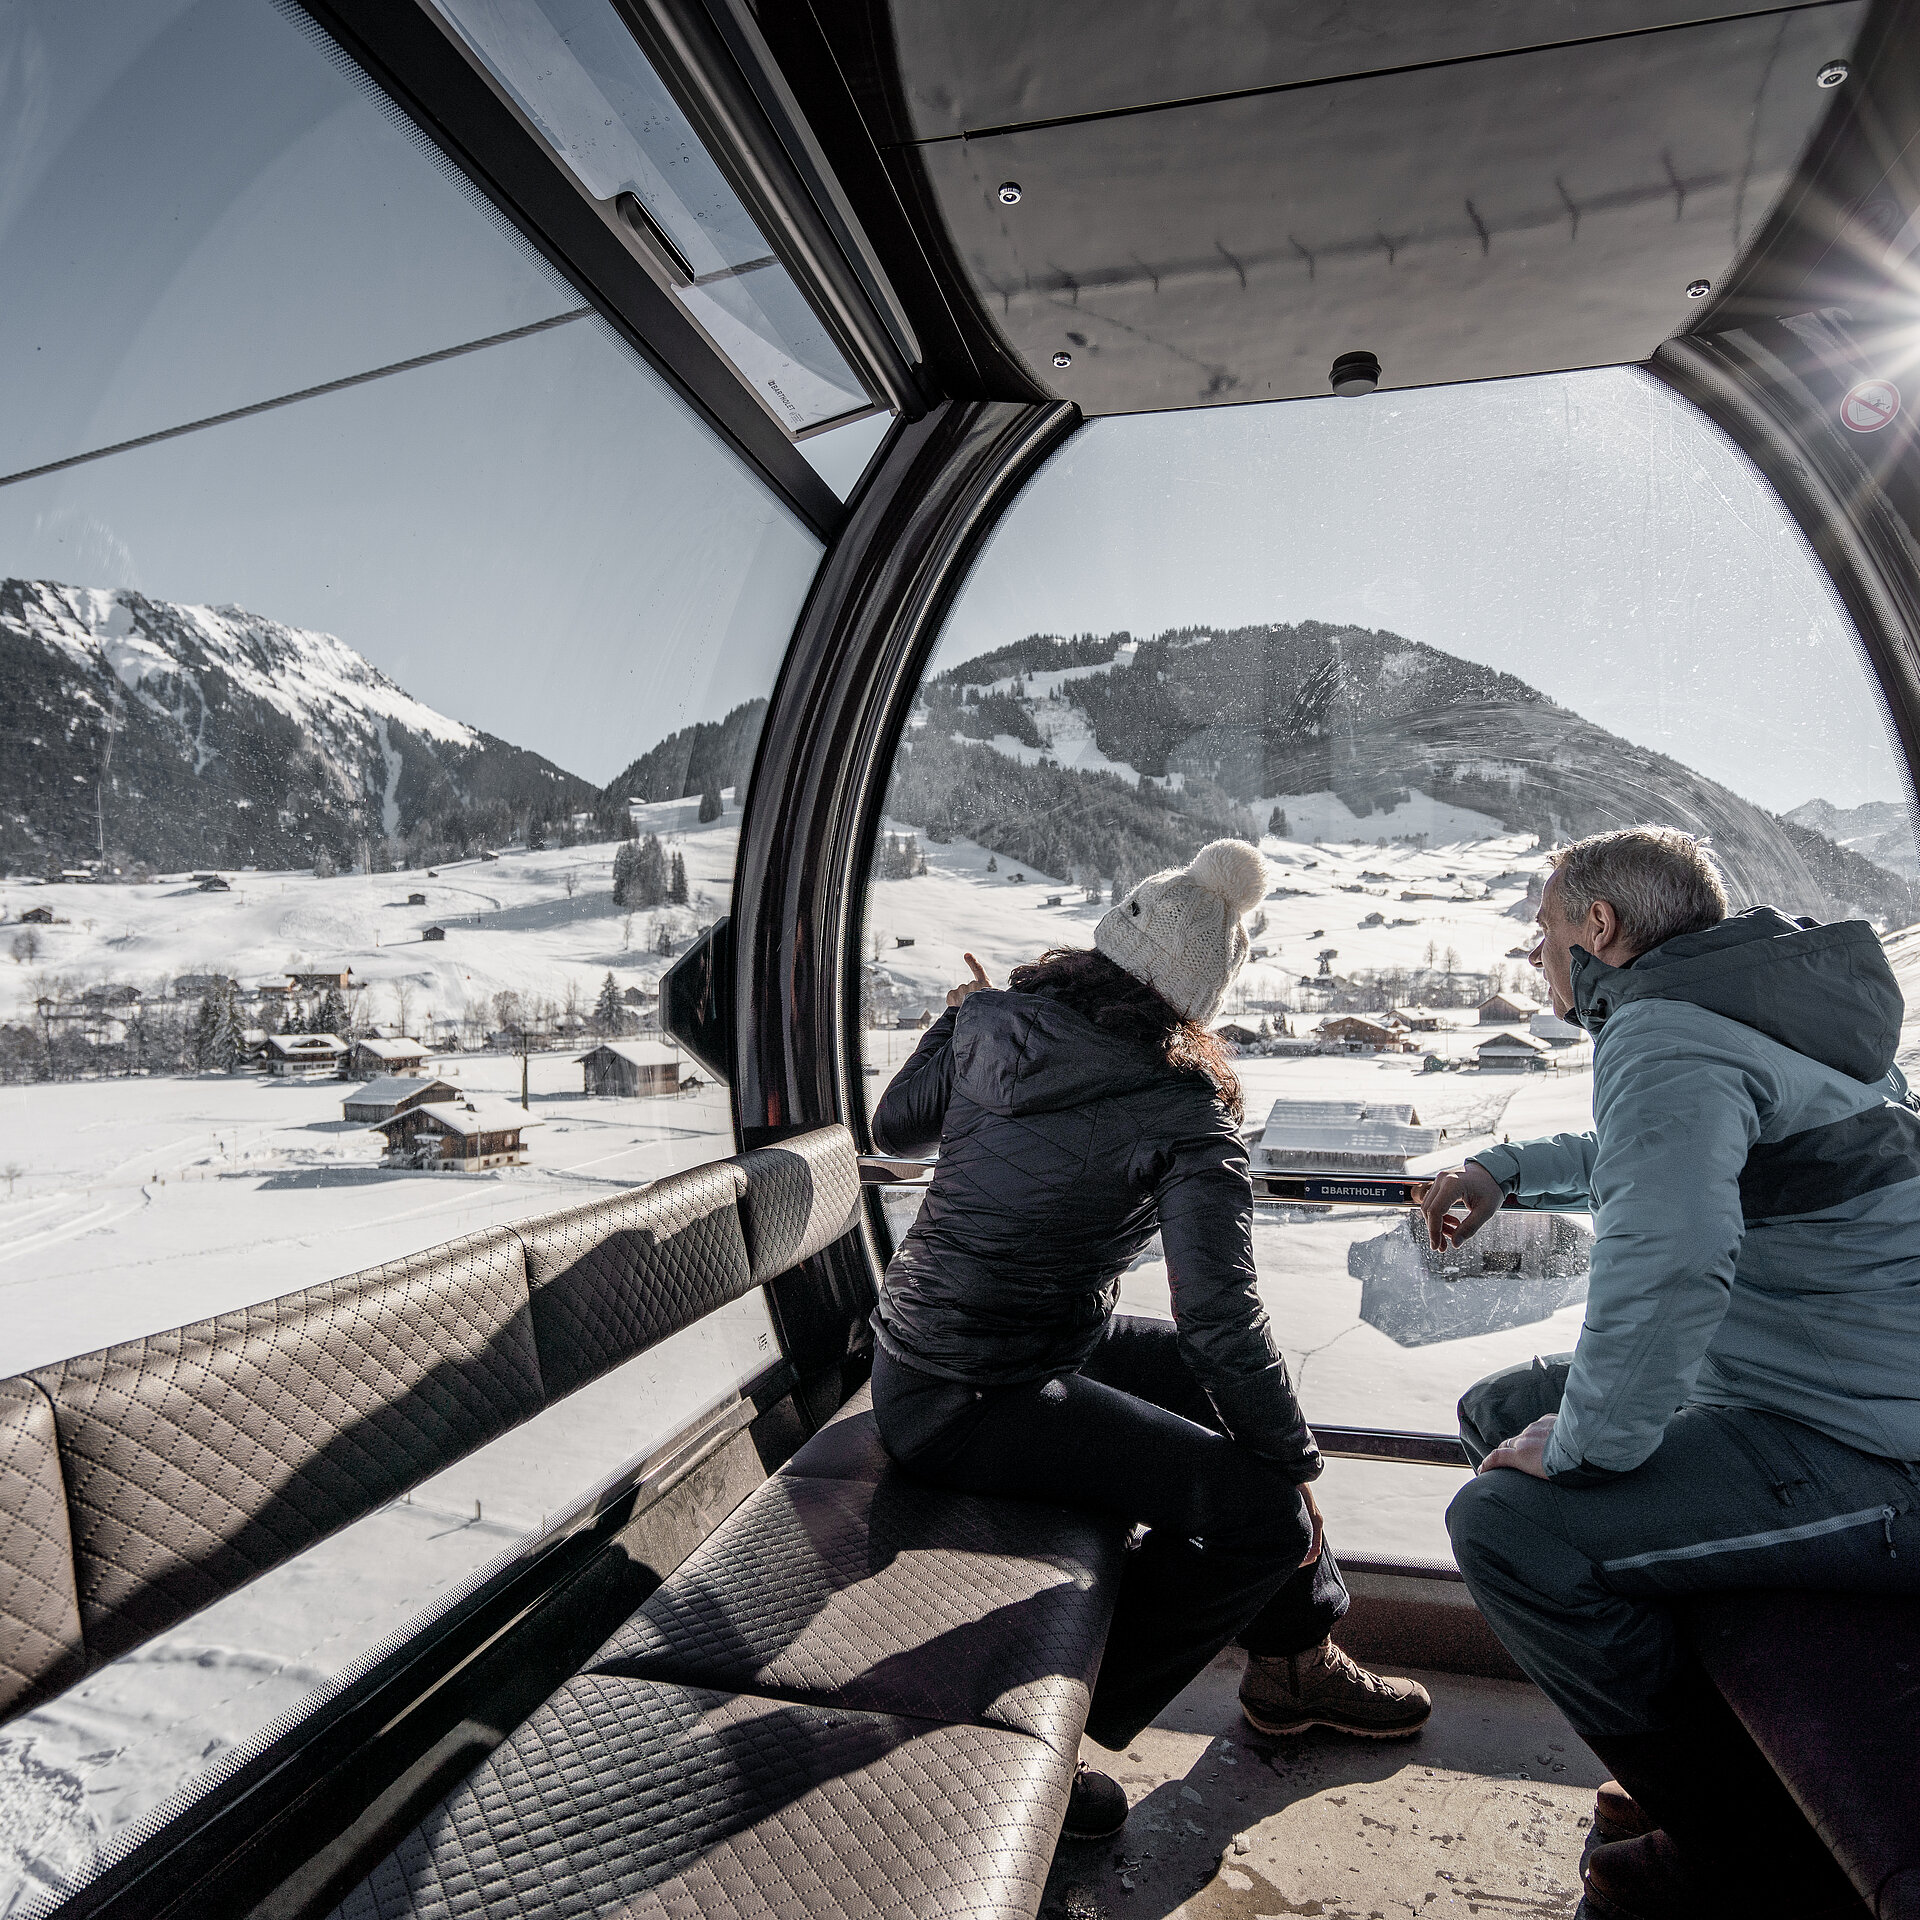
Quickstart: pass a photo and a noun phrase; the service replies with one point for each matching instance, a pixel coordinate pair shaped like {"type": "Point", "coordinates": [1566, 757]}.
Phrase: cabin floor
{"type": "Point", "coordinates": [1485, 1812]}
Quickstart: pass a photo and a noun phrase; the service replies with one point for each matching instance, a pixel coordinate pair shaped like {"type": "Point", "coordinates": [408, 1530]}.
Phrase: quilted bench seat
{"type": "Point", "coordinates": [1828, 1685]}
{"type": "Point", "coordinates": [861, 1695]}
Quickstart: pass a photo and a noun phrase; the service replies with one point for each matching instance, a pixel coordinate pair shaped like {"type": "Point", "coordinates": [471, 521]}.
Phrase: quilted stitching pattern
{"type": "Point", "coordinates": [623, 1798]}
{"type": "Point", "coordinates": [611, 1279]}
{"type": "Point", "coordinates": [799, 1196]}
{"type": "Point", "coordinates": [197, 1459]}
{"type": "Point", "coordinates": [39, 1609]}
{"type": "Point", "coordinates": [848, 1447]}
{"type": "Point", "coordinates": [891, 1596]}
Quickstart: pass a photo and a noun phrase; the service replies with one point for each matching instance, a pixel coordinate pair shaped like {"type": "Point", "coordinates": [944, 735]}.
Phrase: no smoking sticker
{"type": "Point", "coordinates": [1869, 406]}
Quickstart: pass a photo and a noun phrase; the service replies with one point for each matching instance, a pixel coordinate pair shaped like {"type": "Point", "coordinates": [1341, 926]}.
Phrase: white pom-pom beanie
{"type": "Point", "coordinates": [1180, 931]}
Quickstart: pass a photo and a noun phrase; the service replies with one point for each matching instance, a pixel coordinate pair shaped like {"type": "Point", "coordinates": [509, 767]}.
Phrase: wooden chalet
{"type": "Point", "coordinates": [318, 980]}
{"type": "Point", "coordinates": [38, 916]}
{"type": "Point", "coordinates": [304, 1055]}
{"type": "Point", "coordinates": [374, 1055]}
{"type": "Point", "coordinates": [391, 1093]}
{"type": "Point", "coordinates": [1512, 1053]}
{"type": "Point", "coordinates": [629, 1067]}
{"type": "Point", "coordinates": [433, 933]}
{"type": "Point", "coordinates": [1355, 1034]}
{"type": "Point", "coordinates": [457, 1136]}
{"type": "Point", "coordinates": [1507, 1010]}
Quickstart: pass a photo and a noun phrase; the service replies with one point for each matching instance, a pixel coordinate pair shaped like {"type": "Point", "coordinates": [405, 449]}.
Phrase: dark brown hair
{"type": "Point", "coordinates": [1105, 993]}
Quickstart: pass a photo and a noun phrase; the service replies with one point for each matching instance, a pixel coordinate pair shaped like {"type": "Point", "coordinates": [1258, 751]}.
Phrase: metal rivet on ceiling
{"type": "Point", "coordinates": [1832, 74]}
{"type": "Point", "coordinates": [1063, 359]}
{"type": "Point", "coordinates": [1010, 189]}
{"type": "Point", "coordinates": [1699, 289]}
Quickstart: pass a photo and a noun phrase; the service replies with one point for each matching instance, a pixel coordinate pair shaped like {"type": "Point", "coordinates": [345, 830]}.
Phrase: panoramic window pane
{"type": "Point", "coordinates": [576, 72]}
{"type": "Point", "coordinates": [1408, 645]}
{"type": "Point", "coordinates": [370, 757]}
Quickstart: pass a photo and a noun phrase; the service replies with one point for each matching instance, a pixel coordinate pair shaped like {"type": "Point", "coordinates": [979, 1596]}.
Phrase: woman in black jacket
{"type": "Point", "coordinates": [1076, 1115]}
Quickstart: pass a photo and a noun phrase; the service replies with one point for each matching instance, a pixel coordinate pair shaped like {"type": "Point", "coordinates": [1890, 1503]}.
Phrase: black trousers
{"type": "Point", "coordinates": [1134, 1435]}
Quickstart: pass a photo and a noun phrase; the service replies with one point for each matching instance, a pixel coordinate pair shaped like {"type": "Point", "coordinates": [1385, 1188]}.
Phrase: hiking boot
{"type": "Point", "coordinates": [1652, 1878]}
{"type": "Point", "coordinates": [1617, 1815]}
{"type": "Point", "coordinates": [1096, 1808]}
{"type": "Point", "coordinates": [1323, 1687]}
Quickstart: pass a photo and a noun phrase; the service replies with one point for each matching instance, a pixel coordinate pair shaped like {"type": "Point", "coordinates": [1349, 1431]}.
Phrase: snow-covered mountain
{"type": "Point", "coordinates": [1877, 830]}
{"type": "Point", "coordinates": [188, 734]}
{"type": "Point", "coordinates": [1128, 753]}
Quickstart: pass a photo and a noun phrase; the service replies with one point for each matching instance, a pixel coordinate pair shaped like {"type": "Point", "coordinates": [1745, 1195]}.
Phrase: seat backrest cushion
{"type": "Point", "coordinates": [800, 1195]}
{"type": "Point", "coordinates": [197, 1459]}
{"type": "Point", "coordinates": [612, 1278]}
{"type": "Point", "coordinates": [40, 1646]}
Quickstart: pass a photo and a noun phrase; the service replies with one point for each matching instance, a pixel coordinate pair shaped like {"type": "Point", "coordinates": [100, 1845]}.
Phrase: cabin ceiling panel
{"type": "Point", "coordinates": [986, 64]}
{"type": "Point", "coordinates": [1527, 213]}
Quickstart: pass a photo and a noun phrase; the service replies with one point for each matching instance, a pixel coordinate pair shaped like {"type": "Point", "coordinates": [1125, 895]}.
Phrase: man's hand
{"type": "Point", "coordinates": [956, 994]}
{"type": "Point", "coordinates": [1319, 1526]}
{"type": "Point", "coordinates": [1473, 1190]}
{"type": "Point", "coordinates": [1527, 1452]}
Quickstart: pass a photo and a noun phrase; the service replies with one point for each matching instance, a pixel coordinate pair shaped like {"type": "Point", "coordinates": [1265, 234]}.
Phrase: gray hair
{"type": "Point", "coordinates": [1662, 883]}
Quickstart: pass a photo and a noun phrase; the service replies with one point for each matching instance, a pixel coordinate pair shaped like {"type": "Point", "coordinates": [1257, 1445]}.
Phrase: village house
{"type": "Point", "coordinates": [1415, 1021]}
{"type": "Point", "coordinates": [38, 916]}
{"type": "Point", "coordinates": [391, 1093]}
{"type": "Point", "coordinates": [320, 979]}
{"type": "Point", "coordinates": [433, 933]}
{"type": "Point", "coordinates": [306, 1054]}
{"type": "Point", "coordinates": [629, 1067]}
{"type": "Point", "coordinates": [1236, 1033]}
{"type": "Point", "coordinates": [1355, 1033]}
{"type": "Point", "coordinates": [1512, 1053]}
{"type": "Point", "coordinates": [1507, 1010]}
{"type": "Point", "coordinates": [212, 884]}
{"type": "Point", "coordinates": [456, 1136]}
{"type": "Point", "coordinates": [1352, 1136]}
{"type": "Point", "coordinates": [374, 1055]}
{"type": "Point", "coordinates": [416, 899]}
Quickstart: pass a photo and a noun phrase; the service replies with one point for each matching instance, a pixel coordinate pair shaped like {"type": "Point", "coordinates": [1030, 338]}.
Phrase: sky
{"type": "Point", "coordinates": [1589, 532]}
{"type": "Point", "coordinates": [200, 208]}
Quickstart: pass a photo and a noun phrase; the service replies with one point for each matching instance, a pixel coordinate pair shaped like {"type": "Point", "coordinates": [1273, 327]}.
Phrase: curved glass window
{"type": "Point", "coordinates": [366, 749]}
{"type": "Point", "coordinates": [1408, 645]}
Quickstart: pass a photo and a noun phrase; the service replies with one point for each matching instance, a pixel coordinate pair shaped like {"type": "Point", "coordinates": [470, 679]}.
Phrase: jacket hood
{"type": "Point", "coordinates": [1017, 1053]}
{"type": "Point", "coordinates": [1825, 991]}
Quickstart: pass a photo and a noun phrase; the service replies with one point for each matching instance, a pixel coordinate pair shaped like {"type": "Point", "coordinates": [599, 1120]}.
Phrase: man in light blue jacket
{"type": "Point", "coordinates": [1743, 1407]}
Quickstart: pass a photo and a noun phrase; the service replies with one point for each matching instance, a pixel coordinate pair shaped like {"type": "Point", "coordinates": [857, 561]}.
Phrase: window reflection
{"type": "Point", "coordinates": [368, 755]}
{"type": "Point", "coordinates": [1408, 645]}
{"type": "Point", "coordinates": [577, 73]}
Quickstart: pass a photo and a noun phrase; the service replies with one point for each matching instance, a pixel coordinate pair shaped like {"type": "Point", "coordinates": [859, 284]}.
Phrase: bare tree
{"type": "Point", "coordinates": [402, 1005]}
{"type": "Point", "coordinates": [26, 947]}
{"type": "Point", "coordinates": [13, 1171]}
{"type": "Point", "coordinates": [572, 1005]}
{"type": "Point", "coordinates": [626, 934]}
{"type": "Point", "coordinates": [571, 879]}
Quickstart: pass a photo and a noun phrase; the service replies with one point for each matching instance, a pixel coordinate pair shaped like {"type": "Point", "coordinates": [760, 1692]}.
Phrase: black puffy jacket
{"type": "Point", "coordinates": [1062, 1150]}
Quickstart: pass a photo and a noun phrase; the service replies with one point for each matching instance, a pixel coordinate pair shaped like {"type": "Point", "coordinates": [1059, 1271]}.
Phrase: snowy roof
{"type": "Point", "coordinates": [391, 1088]}
{"type": "Point", "coordinates": [1512, 1043]}
{"type": "Point", "coordinates": [467, 1117]}
{"type": "Point", "coordinates": [1347, 1126]}
{"type": "Point", "coordinates": [305, 1044]}
{"type": "Point", "coordinates": [1517, 1003]}
{"type": "Point", "coordinates": [390, 1049]}
{"type": "Point", "coordinates": [643, 1053]}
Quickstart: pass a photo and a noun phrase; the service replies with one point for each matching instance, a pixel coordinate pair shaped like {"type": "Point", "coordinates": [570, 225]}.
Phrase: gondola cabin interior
{"type": "Point", "coordinates": [614, 541]}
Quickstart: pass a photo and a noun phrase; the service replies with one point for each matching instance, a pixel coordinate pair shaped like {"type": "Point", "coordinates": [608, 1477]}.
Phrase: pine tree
{"type": "Point", "coordinates": [606, 1009]}
{"type": "Point", "coordinates": [677, 882]}
{"type": "Point", "coordinates": [993, 865]}
{"type": "Point", "coordinates": [332, 1017]}
{"type": "Point", "coordinates": [711, 805]}
{"type": "Point", "coordinates": [1277, 824]}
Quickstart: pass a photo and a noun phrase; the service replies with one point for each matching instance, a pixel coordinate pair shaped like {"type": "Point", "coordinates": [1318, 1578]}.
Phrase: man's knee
{"type": "Point", "coordinates": [1508, 1402]}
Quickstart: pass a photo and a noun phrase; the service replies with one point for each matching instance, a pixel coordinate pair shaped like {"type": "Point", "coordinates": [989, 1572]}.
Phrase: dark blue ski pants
{"type": "Point", "coordinates": [1580, 1583]}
